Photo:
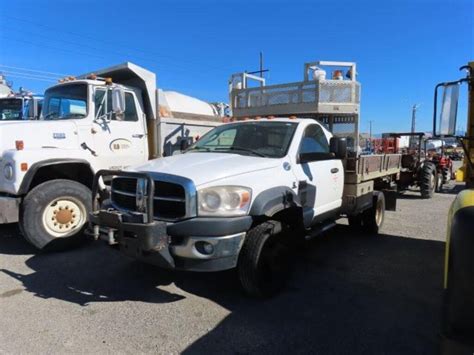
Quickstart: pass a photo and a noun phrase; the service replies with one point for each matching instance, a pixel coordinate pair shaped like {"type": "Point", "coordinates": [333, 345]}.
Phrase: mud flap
{"type": "Point", "coordinates": [390, 199]}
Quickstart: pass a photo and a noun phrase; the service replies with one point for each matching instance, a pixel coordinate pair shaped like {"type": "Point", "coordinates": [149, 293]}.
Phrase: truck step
{"type": "Point", "coordinates": [319, 229]}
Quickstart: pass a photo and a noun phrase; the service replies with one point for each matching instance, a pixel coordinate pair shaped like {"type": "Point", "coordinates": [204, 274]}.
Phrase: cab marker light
{"type": "Point", "coordinates": [19, 145]}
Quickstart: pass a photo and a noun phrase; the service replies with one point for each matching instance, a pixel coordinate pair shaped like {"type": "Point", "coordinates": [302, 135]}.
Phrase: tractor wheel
{"type": "Point", "coordinates": [439, 182]}
{"type": "Point", "coordinates": [427, 180]}
{"type": "Point", "coordinates": [446, 175]}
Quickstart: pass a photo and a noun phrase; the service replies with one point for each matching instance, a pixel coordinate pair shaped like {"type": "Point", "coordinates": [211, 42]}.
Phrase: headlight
{"type": "Point", "coordinates": [8, 171]}
{"type": "Point", "coordinates": [224, 201]}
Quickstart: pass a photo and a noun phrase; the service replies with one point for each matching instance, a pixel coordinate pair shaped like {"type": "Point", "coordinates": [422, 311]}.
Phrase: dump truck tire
{"type": "Point", "coordinates": [428, 180]}
{"type": "Point", "coordinates": [54, 214]}
{"type": "Point", "coordinates": [263, 265]}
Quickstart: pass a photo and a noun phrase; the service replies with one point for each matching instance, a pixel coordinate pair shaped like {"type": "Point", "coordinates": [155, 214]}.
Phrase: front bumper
{"type": "Point", "coordinates": [9, 209]}
{"type": "Point", "coordinates": [168, 245]}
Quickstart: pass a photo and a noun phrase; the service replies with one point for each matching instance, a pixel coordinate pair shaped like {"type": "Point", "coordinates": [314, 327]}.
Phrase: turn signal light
{"type": "Point", "coordinates": [19, 145]}
{"type": "Point", "coordinates": [24, 166]}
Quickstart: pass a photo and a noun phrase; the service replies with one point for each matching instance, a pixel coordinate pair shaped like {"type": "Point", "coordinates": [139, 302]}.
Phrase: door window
{"type": "Point", "coordinates": [314, 140]}
{"type": "Point", "coordinates": [103, 106]}
{"type": "Point", "coordinates": [130, 113]}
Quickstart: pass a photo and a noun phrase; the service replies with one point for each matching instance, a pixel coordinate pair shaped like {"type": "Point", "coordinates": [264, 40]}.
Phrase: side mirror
{"type": "Point", "coordinates": [118, 100]}
{"type": "Point", "coordinates": [445, 123]}
{"type": "Point", "coordinates": [338, 146]}
{"type": "Point", "coordinates": [184, 144]}
{"type": "Point", "coordinates": [33, 109]}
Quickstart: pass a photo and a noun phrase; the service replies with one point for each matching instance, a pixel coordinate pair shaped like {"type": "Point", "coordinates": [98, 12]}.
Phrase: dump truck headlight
{"type": "Point", "coordinates": [224, 201]}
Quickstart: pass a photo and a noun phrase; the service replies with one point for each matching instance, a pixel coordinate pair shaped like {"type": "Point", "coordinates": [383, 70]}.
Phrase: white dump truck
{"type": "Point", "coordinates": [108, 119]}
{"type": "Point", "coordinates": [249, 189]}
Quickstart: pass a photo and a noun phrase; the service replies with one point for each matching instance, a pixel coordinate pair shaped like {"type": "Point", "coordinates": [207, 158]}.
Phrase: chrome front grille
{"type": "Point", "coordinates": [173, 196]}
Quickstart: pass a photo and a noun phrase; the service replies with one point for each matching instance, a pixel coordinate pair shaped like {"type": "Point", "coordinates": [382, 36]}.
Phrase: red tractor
{"type": "Point", "coordinates": [417, 170]}
{"type": "Point", "coordinates": [444, 168]}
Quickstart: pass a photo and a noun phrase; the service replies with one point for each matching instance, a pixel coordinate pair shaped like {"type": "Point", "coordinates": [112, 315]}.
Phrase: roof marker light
{"type": "Point", "coordinates": [19, 145]}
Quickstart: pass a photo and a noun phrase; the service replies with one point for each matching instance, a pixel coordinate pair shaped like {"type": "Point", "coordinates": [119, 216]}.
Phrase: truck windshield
{"type": "Point", "coordinates": [11, 109]}
{"type": "Point", "coordinates": [65, 102]}
{"type": "Point", "coordinates": [265, 139]}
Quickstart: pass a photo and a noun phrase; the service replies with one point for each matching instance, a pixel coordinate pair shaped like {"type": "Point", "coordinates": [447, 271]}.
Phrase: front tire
{"type": "Point", "coordinates": [263, 265]}
{"type": "Point", "coordinates": [428, 180]}
{"type": "Point", "coordinates": [54, 214]}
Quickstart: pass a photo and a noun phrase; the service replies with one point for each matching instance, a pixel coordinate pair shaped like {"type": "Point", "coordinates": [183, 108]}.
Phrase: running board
{"type": "Point", "coordinates": [319, 229]}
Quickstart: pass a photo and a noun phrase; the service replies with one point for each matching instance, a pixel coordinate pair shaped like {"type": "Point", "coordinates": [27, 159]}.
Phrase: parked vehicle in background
{"type": "Point", "coordinates": [20, 106]}
{"type": "Point", "coordinates": [249, 190]}
{"type": "Point", "coordinates": [104, 120]}
{"type": "Point", "coordinates": [417, 171]}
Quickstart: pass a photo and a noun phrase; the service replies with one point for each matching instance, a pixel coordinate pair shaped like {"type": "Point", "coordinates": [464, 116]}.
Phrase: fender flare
{"type": "Point", "coordinates": [31, 173]}
{"type": "Point", "coordinates": [274, 200]}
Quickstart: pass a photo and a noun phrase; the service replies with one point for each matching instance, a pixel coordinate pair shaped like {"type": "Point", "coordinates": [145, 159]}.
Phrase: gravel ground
{"type": "Point", "coordinates": [349, 294]}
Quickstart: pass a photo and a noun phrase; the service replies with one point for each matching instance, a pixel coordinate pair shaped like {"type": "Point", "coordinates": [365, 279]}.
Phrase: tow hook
{"type": "Point", "coordinates": [109, 238]}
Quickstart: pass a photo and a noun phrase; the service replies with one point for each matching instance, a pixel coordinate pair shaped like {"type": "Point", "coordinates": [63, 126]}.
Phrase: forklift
{"type": "Point", "coordinates": [458, 303]}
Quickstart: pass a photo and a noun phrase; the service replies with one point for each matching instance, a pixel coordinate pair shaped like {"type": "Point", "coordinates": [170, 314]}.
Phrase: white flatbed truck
{"type": "Point", "coordinates": [248, 190]}
{"type": "Point", "coordinates": [103, 120]}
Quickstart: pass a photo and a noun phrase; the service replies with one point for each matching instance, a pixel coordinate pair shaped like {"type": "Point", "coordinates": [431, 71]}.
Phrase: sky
{"type": "Point", "coordinates": [402, 48]}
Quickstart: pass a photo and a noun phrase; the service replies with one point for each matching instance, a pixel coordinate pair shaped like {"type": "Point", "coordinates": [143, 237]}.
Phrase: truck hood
{"type": "Point", "coordinates": [207, 167]}
{"type": "Point", "coordinates": [38, 134]}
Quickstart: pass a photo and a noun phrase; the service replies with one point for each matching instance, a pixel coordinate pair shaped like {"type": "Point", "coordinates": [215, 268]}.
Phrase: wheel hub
{"type": "Point", "coordinates": [63, 217]}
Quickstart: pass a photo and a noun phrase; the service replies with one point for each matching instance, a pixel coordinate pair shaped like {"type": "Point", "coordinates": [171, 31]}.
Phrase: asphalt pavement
{"type": "Point", "coordinates": [349, 294]}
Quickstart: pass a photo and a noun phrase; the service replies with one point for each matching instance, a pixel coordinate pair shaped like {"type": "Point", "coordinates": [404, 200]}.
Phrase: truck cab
{"type": "Point", "coordinates": [242, 182]}
{"type": "Point", "coordinates": [21, 106]}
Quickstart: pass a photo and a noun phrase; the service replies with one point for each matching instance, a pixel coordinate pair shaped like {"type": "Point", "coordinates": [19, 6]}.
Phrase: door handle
{"type": "Point", "coordinates": [334, 170]}
{"type": "Point", "coordinates": [138, 135]}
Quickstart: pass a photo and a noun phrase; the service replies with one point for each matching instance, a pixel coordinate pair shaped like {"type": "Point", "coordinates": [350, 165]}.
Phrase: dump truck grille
{"type": "Point", "coordinates": [169, 201]}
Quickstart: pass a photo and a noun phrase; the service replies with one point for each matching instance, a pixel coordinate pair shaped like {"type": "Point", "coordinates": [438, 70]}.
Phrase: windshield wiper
{"type": "Point", "coordinates": [254, 152]}
{"type": "Point", "coordinates": [65, 117]}
{"type": "Point", "coordinates": [48, 115]}
{"type": "Point", "coordinates": [198, 148]}
{"type": "Point", "coordinates": [71, 115]}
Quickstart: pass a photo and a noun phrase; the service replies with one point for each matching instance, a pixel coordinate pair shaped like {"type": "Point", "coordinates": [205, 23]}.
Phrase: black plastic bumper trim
{"type": "Point", "coordinates": [210, 226]}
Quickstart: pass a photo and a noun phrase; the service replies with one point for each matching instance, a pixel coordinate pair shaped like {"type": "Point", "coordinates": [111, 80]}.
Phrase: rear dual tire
{"type": "Point", "coordinates": [371, 220]}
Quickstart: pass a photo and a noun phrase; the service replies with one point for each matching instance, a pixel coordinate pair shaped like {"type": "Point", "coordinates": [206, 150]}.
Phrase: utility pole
{"type": "Point", "coordinates": [370, 135]}
{"type": "Point", "coordinates": [413, 125]}
{"type": "Point", "coordinates": [261, 70]}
